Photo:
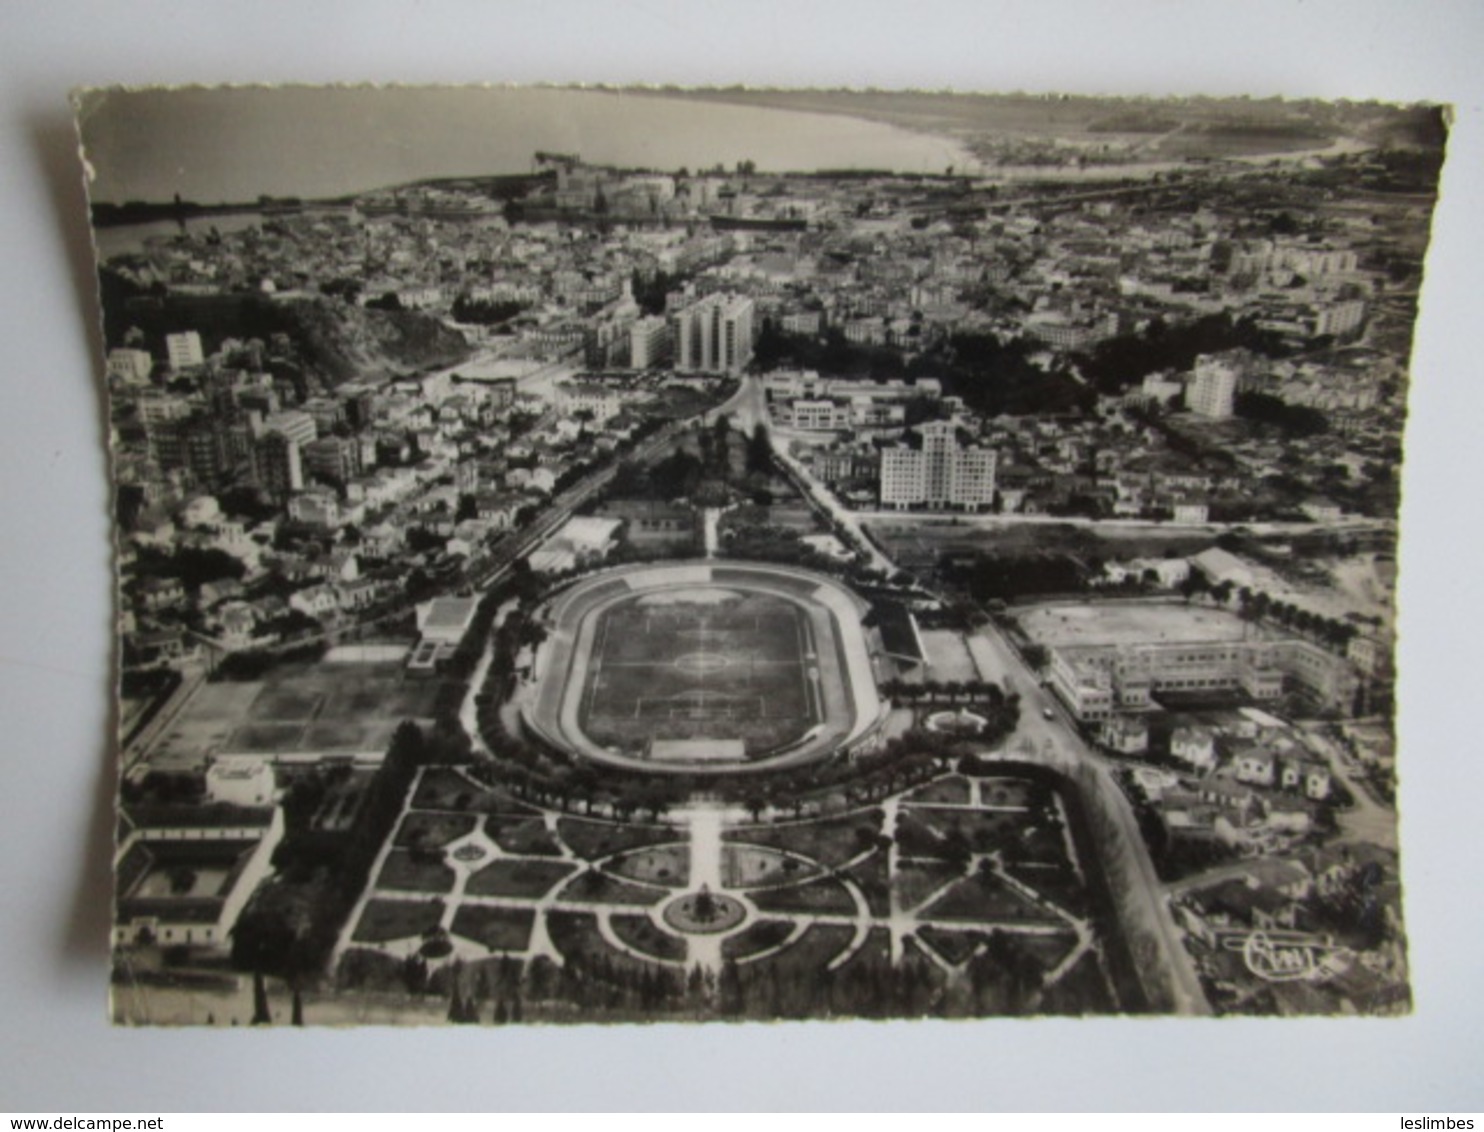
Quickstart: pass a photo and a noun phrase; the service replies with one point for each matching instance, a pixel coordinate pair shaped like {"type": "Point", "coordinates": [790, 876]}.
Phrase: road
{"type": "Point", "coordinates": [748, 408]}
{"type": "Point", "coordinates": [192, 676]}
{"type": "Point", "coordinates": [1367, 820]}
{"type": "Point", "coordinates": [488, 569]}
{"type": "Point", "coordinates": [986, 521]}
{"type": "Point", "coordinates": [1055, 742]}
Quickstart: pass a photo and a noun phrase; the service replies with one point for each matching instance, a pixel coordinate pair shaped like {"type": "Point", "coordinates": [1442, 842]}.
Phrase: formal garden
{"type": "Point", "coordinates": [960, 895]}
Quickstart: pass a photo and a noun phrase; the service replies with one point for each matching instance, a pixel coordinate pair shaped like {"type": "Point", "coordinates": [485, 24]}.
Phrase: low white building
{"type": "Point", "coordinates": [241, 782]}
{"type": "Point", "coordinates": [445, 620]}
{"type": "Point", "coordinates": [1195, 747]}
{"type": "Point", "coordinates": [583, 541]}
{"type": "Point", "coordinates": [183, 874]}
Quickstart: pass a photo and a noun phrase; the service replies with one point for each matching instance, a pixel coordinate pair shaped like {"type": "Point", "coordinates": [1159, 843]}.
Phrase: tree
{"type": "Point", "coordinates": [759, 451]}
{"type": "Point", "coordinates": [729, 989]}
{"type": "Point", "coordinates": [343, 288]}
{"type": "Point", "coordinates": [260, 1013]}
{"type": "Point", "coordinates": [1291, 420]}
{"type": "Point", "coordinates": [1037, 656]}
{"type": "Point", "coordinates": [389, 301]}
{"type": "Point", "coordinates": [957, 851]}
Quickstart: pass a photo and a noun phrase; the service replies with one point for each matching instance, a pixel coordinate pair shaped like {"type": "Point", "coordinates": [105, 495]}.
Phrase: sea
{"type": "Point", "coordinates": [236, 144]}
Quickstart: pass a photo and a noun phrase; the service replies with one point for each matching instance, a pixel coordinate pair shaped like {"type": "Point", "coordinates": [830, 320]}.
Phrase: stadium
{"type": "Point", "coordinates": [705, 667]}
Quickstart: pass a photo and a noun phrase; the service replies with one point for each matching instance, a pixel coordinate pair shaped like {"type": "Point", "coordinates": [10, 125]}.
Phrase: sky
{"type": "Point", "coordinates": [233, 144]}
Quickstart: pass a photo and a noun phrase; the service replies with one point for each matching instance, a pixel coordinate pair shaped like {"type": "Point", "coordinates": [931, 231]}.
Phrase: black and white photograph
{"type": "Point", "coordinates": [621, 555]}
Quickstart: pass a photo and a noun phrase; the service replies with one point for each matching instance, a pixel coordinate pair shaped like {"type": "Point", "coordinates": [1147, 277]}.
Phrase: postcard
{"type": "Point", "coordinates": [623, 555]}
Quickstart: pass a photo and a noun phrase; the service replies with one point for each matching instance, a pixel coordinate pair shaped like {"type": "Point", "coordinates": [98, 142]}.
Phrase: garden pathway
{"type": "Point", "coordinates": [704, 823]}
{"type": "Point", "coordinates": [710, 519]}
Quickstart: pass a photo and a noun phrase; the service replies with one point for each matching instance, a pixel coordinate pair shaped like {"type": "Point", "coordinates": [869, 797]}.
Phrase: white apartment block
{"type": "Point", "coordinates": [802, 322]}
{"type": "Point", "coordinates": [821, 415]}
{"type": "Point", "coordinates": [295, 424]}
{"type": "Point", "coordinates": [129, 367]}
{"type": "Point", "coordinates": [603, 403]}
{"type": "Point", "coordinates": [156, 407]}
{"type": "Point", "coordinates": [649, 342]}
{"type": "Point", "coordinates": [1266, 257]}
{"type": "Point", "coordinates": [1212, 392]}
{"type": "Point", "coordinates": [714, 335]}
{"type": "Point", "coordinates": [1339, 319]}
{"type": "Point", "coordinates": [942, 473]}
{"type": "Point", "coordinates": [184, 350]}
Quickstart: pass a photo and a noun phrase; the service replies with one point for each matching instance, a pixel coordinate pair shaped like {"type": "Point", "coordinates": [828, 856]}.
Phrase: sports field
{"type": "Point", "coordinates": [705, 668]}
{"type": "Point", "coordinates": [332, 708]}
{"type": "Point", "coordinates": [1114, 622]}
{"type": "Point", "coordinates": [706, 663]}
{"type": "Point", "coordinates": [298, 709]}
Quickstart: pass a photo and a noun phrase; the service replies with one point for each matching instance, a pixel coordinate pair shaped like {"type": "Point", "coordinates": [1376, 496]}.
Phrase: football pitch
{"type": "Point", "coordinates": [332, 708]}
{"type": "Point", "coordinates": [707, 664]}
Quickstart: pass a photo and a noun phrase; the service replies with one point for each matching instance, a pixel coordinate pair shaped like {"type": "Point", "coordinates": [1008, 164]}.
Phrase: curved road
{"type": "Point", "coordinates": [1057, 743]}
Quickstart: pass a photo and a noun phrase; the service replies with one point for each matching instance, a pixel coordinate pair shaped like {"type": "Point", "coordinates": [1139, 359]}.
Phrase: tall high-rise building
{"type": "Point", "coordinates": [198, 445]}
{"type": "Point", "coordinates": [360, 407]}
{"type": "Point", "coordinates": [713, 335]}
{"type": "Point", "coordinates": [130, 367]}
{"type": "Point", "coordinates": [184, 350]}
{"type": "Point", "coordinates": [334, 459]}
{"type": "Point", "coordinates": [649, 342]}
{"type": "Point", "coordinates": [277, 466]}
{"type": "Point", "coordinates": [1213, 390]}
{"type": "Point", "coordinates": [942, 473]}
{"type": "Point", "coordinates": [1340, 319]}
{"type": "Point", "coordinates": [205, 451]}
{"type": "Point", "coordinates": [298, 426]}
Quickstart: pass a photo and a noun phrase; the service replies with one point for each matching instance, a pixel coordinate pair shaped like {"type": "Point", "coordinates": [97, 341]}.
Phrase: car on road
{"type": "Point", "coordinates": [1047, 713]}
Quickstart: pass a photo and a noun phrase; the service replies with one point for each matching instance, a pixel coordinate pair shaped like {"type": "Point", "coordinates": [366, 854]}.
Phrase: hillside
{"type": "Point", "coordinates": [345, 342]}
{"type": "Point", "coordinates": [331, 341]}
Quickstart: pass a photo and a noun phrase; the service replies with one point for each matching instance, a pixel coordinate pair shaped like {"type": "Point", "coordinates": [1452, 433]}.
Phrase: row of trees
{"type": "Point", "coordinates": [986, 577]}
{"type": "Point", "coordinates": [1330, 630]}
{"type": "Point", "coordinates": [993, 375]}
{"type": "Point", "coordinates": [1258, 605]}
{"type": "Point", "coordinates": [292, 922]}
{"type": "Point", "coordinates": [1003, 978]}
{"type": "Point", "coordinates": [192, 566]}
{"type": "Point", "coordinates": [1294, 421]}
{"type": "Point", "coordinates": [1116, 364]}
{"type": "Point", "coordinates": [483, 312]}
{"type": "Point", "coordinates": [802, 986]}
{"type": "Point", "coordinates": [898, 764]}
{"type": "Point", "coordinates": [944, 691]}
